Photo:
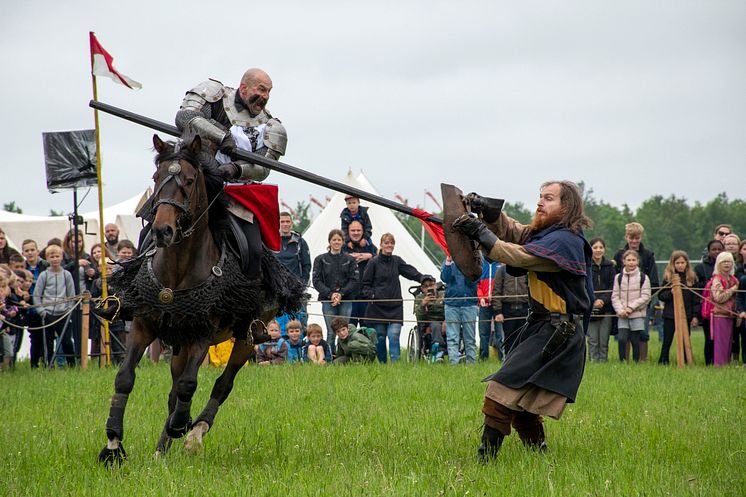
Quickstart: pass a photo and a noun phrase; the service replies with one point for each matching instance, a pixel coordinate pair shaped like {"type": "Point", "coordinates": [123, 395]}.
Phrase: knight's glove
{"type": "Point", "coordinates": [487, 208]}
{"type": "Point", "coordinates": [476, 230]}
{"type": "Point", "coordinates": [476, 202]}
{"type": "Point", "coordinates": [229, 171]}
{"type": "Point", "coordinates": [228, 145]}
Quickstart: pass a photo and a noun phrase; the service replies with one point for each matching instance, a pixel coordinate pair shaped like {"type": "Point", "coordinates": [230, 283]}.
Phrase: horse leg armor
{"type": "Point", "coordinates": [114, 452]}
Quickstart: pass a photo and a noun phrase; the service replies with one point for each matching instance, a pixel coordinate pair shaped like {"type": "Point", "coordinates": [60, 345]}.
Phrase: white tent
{"type": "Point", "coordinates": [19, 227]}
{"type": "Point", "coordinates": [384, 221]}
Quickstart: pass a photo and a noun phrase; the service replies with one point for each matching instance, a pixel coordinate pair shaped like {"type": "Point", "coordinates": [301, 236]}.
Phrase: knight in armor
{"type": "Point", "coordinates": [230, 118]}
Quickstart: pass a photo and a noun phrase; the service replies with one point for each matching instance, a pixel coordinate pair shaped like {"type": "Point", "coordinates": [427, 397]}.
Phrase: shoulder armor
{"type": "Point", "coordinates": [211, 90]}
{"type": "Point", "coordinates": [275, 136]}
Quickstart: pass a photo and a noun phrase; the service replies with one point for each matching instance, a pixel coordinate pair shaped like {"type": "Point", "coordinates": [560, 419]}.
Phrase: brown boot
{"type": "Point", "coordinates": [643, 351]}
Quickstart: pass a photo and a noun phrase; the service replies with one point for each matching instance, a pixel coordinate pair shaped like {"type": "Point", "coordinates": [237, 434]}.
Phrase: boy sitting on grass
{"type": "Point", "coordinates": [316, 350]}
{"type": "Point", "coordinates": [352, 344]}
{"type": "Point", "coordinates": [295, 344]}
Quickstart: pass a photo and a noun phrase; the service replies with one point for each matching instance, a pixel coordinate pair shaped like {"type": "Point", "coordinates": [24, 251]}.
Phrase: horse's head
{"type": "Point", "coordinates": [179, 190]}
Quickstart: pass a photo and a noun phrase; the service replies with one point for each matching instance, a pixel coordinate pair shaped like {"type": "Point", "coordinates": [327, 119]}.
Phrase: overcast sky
{"type": "Point", "coordinates": [635, 98]}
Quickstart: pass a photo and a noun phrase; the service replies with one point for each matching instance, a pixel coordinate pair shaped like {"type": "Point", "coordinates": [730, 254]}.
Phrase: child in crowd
{"type": "Point", "coordinates": [126, 250]}
{"type": "Point", "coordinates": [630, 298]}
{"type": "Point", "coordinates": [276, 350]}
{"type": "Point", "coordinates": [352, 344]}
{"type": "Point", "coordinates": [355, 212]}
{"type": "Point", "coordinates": [295, 343]}
{"type": "Point", "coordinates": [316, 350]}
{"type": "Point", "coordinates": [7, 312]}
{"type": "Point", "coordinates": [16, 261]}
{"type": "Point", "coordinates": [53, 287]}
{"type": "Point", "coordinates": [723, 294]}
{"type": "Point", "coordinates": [679, 265]}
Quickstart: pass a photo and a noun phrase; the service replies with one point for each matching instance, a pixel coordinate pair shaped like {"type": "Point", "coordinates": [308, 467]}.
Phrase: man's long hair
{"type": "Point", "coordinates": [573, 215]}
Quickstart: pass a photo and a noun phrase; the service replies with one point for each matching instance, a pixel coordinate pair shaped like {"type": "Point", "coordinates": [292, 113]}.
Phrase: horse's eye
{"type": "Point", "coordinates": [189, 182]}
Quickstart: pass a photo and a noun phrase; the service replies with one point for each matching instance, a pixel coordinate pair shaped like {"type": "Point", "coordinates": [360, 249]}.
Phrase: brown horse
{"type": "Point", "coordinates": [189, 291]}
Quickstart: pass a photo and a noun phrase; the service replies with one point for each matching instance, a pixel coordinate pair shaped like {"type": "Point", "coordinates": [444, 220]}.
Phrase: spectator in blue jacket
{"type": "Point", "coordinates": [295, 342]}
{"type": "Point", "coordinates": [461, 312]}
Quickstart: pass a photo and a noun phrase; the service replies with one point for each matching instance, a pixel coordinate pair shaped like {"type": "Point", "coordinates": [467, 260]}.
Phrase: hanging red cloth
{"type": "Point", "coordinates": [433, 229]}
{"type": "Point", "coordinates": [262, 200]}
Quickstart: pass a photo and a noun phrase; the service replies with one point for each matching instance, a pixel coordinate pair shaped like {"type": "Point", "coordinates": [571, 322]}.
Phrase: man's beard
{"type": "Point", "coordinates": [256, 100]}
{"type": "Point", "coordinates": [112, 239]}
{"type": "Point", "coordinates": [539, 221]}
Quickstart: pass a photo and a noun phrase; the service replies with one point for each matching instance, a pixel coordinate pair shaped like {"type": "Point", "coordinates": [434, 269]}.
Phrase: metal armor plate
{"type": "Point", "coordinates": [241, 118]}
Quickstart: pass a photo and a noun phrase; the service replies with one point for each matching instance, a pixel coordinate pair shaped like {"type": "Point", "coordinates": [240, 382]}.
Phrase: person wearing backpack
{"type": "Point", "coordinates": [723, 287]}
{"type": "Point", "coordinates": [354, 344]}
{"type": "Point", "coordinates": [630, 298]}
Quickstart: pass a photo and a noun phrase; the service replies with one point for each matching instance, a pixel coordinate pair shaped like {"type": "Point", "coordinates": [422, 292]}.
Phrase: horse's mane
{"type": "Point", "coordinates": [218, 214]}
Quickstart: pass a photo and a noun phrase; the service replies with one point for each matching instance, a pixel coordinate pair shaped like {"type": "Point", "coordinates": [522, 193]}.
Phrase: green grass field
{"type": "Point", "coordinates": [401, 430]}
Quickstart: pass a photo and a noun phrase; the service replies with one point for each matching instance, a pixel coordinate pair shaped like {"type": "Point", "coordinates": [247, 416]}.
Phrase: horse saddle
{"type": "Point", "coordinates": [238, 242]}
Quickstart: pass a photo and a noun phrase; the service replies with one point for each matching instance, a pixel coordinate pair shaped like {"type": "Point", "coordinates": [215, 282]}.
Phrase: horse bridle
{"type": "Point", "coordinates": [184, 225]}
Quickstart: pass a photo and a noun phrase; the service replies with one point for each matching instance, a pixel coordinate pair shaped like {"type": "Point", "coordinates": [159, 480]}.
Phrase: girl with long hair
{"type": "Point", "coordinates": [678, 264]}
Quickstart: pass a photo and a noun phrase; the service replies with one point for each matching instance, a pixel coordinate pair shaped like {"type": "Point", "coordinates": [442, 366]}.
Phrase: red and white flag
{"type": "Point", "coordinates": [103, 65]}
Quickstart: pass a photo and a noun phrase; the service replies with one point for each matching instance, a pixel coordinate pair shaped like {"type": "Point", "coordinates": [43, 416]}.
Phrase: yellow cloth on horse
{"type": "Point", "coordinates": [220, 353]}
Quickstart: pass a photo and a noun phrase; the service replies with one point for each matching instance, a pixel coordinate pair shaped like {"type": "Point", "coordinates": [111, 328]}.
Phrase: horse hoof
{"type": "Point", "coordinates": [112, 457]}
{"type": "Point", "coordinates": [193, 443]}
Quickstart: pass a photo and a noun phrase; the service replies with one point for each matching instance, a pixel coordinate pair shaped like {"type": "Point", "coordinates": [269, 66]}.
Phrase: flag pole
{"type": "Point", "coordinates": [102, 236]}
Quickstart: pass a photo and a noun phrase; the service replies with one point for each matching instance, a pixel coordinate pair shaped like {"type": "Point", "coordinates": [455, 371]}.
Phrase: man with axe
{"type": "Point", "coordinates": [543, 368]}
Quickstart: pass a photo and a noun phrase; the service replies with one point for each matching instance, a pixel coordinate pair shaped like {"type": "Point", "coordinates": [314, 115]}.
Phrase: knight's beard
{"type": "Point", "coordinates": [256, 101]}
{"type": "Point", "coordinates": [541, 220]}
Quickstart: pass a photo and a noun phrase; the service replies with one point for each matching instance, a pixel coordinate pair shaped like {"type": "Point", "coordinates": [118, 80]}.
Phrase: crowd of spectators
{"type": "Point", "coordinates": [363, 310]}
{"type": "Point", "coordinates": [39, 290]}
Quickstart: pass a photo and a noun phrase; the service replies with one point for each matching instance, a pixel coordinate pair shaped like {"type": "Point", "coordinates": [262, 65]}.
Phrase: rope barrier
{"type": "Point", "coordinates": [38, 328]}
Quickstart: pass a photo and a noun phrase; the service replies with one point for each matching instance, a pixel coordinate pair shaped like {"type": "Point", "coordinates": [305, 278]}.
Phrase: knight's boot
{"type": "Point", "coordinates": [530, 428]}
{"type": "Point", "coordinates": [643, 351]}
{"type": "Point", "coordinates": [492, 440]}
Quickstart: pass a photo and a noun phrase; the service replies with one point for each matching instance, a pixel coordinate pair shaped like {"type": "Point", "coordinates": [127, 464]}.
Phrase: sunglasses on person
{"type": "Point", "coordinates": [723, 233]}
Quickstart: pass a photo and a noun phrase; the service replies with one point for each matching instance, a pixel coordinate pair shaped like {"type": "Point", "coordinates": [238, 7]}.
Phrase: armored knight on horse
{"type": "Point", "coordinates": [209, 275]}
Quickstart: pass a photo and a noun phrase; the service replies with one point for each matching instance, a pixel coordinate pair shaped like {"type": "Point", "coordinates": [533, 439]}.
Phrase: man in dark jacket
{"type": "Point", "coordinates": [543, 369]}
{"type": "Point", "coordinates": [510, 303]}
{"type": "Point", "coordinates": [704, 271]}
{"type": "Point", "coordinates": [362, 251]}
{"type": "Point", "coordinates": [633, 233]}
{"type": "Point", "coordinates": [293, 253]}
